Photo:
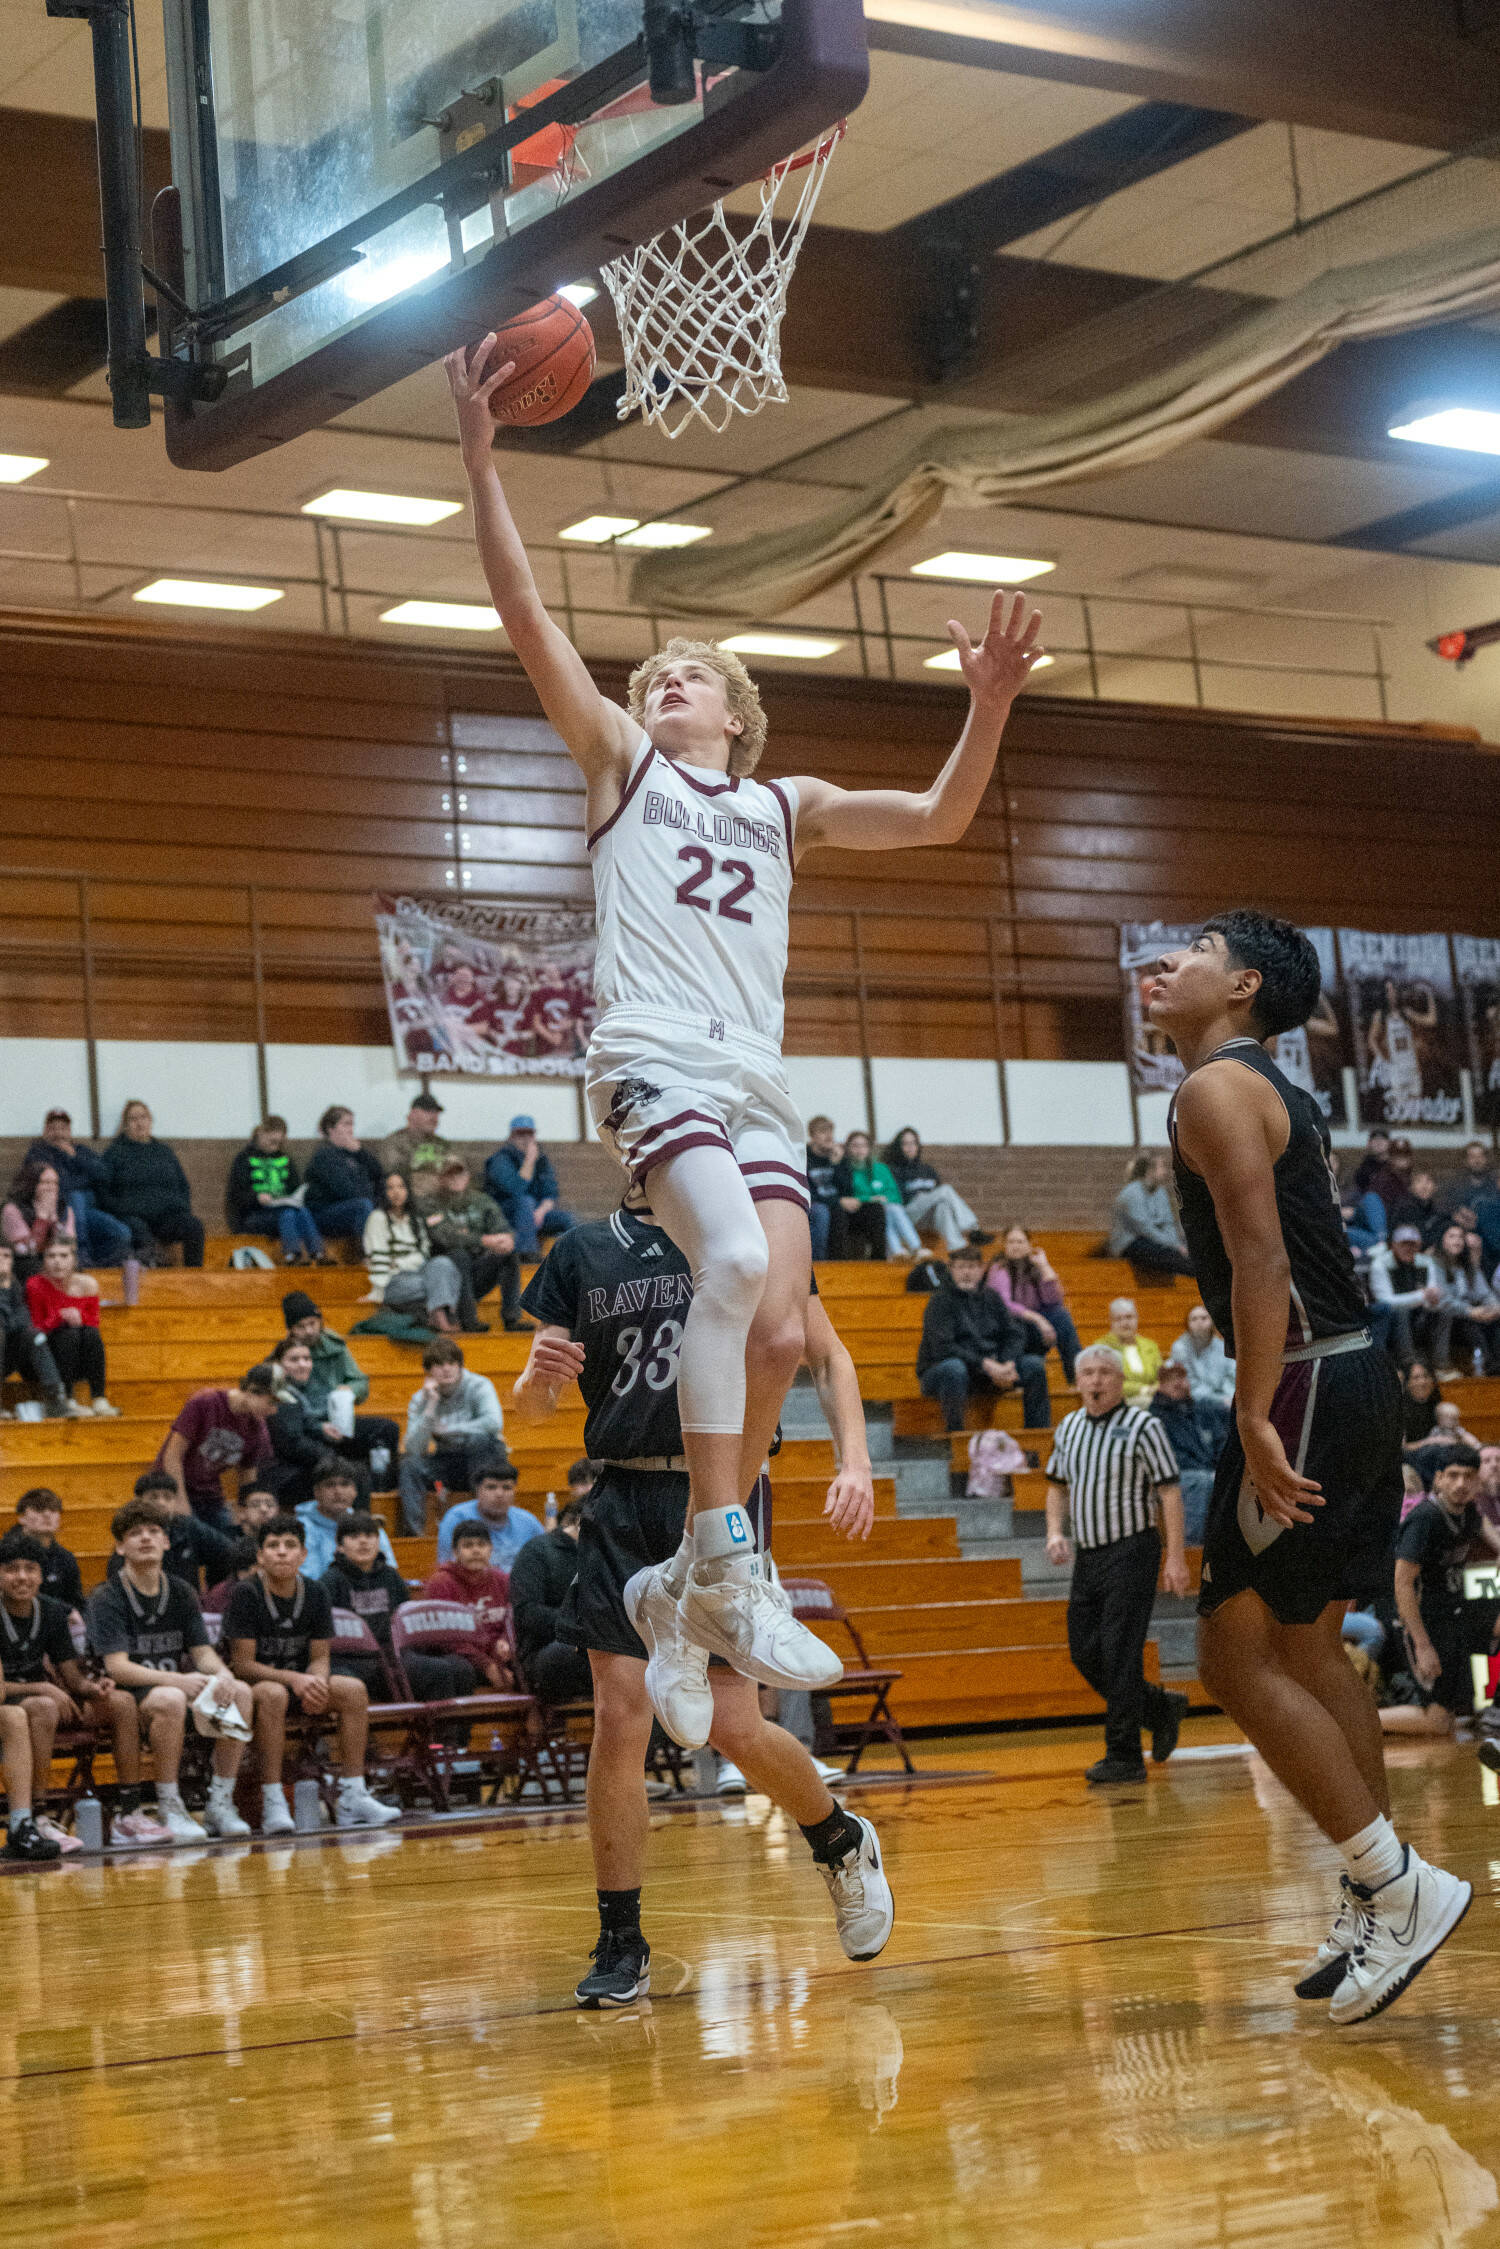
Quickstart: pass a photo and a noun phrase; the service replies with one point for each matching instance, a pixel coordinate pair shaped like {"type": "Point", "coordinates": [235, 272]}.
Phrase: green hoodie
{"type": "Point", "coordinates": [332, 1367]}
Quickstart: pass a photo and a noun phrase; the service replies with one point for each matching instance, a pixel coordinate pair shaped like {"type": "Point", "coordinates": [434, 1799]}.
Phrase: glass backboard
{"type": "Point", "coordinates": [366, 183]}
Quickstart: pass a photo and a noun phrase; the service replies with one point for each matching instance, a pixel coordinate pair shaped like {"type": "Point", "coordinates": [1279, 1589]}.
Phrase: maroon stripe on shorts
{"type": "Point", "coordinates": [1289, 1407]}
{"type": "Point", "coordinates": [773, 1194]}
{"type": "Point", "coordinates": [719, 1139]}
{"type": "Point", "coordinates": [770, 1163]}
{"type": "Point", "coordinates": [670, 1124]}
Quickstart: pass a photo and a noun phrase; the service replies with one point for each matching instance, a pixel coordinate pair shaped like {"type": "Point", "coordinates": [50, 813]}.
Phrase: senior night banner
{"type": "Point", "coordinates": [1478, 960]}
{"type": "Point", "coordinates": [1154, 1067]}
{"type": "Point", "coordinates": [1313, 1057]}
{"type": "Point", "coordinates": [1407, 1046]}
{"type": "Point", "coordinates": [481, 991]}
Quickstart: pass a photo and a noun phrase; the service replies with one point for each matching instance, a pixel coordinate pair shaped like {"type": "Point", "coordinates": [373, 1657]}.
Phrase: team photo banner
{"type": "Point", "coordinates": [1154, 1067]}
{"type": "Point", "coordinates": [1313, 1058]}
{"type": "Point", "coordinates": [1477, 960]}
{"type": "Point", "coordinates": [1408, 1047]}
{"type": "Point", "coordinates": [478, 991]}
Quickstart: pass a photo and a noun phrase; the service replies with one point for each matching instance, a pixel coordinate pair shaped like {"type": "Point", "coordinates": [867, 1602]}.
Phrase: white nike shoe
{"type": "Point", "coordinates": [356, 1807]}
{"type": "Point", "coordinates": [863, 1906]}
{"type": "Point", "coordinates": [676, 1668]}
{"type": "Point", "coordinates": [729, 1608]}
{"type": "Point", "coordinates": [220, 1818]}
{"type": "Point", "coordinates": [276, 1813]}
{"type": "Point", "coordinates": [1401, 1926]}
{"type": "Point", "coordinates": [1321, 1978]}
{"type": "Point", "coordinates": [179, 1822]}
{"type": "Point", "coordinates": [731, 1781]}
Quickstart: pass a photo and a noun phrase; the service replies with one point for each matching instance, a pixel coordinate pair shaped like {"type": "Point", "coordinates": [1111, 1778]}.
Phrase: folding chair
{"type": "Point", "coordinates": [441, 1628]}
{"type": "Point", "coordinates": [555, 1753]}
{"type": "Point", "coordinates": [814, 1603]}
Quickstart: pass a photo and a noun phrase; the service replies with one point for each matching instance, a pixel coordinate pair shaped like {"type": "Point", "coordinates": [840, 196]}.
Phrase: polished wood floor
{"type": "Point", "coordinates": [1082, 2033]}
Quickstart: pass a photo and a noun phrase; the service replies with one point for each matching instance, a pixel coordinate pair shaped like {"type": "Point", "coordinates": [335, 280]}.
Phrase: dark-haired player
{"type": "Point", "coordinates": [1308, 1490]}
{"type": "Point", "coordinates": [612, 1299]}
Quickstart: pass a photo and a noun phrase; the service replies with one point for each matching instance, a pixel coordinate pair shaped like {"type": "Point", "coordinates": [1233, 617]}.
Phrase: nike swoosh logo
{"type": "Point", "coordinates": [1405, 1935]}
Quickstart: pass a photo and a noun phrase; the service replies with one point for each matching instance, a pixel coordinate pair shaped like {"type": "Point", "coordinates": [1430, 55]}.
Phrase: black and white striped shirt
{"type": "Point", "coordinates": [1111, 1466]}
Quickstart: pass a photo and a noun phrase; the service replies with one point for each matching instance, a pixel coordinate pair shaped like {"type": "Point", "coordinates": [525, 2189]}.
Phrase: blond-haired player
{"type": "Point", "coordinates": [693, 862]}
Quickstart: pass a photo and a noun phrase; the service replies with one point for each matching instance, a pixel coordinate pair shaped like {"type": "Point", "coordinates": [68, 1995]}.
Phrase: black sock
{"type": "Point", "coordinates": [129, 1799]}
{"type": "Point", "coordinates": [619, 1913]}
{"type": "Point", "coordinates": [834, 1838]}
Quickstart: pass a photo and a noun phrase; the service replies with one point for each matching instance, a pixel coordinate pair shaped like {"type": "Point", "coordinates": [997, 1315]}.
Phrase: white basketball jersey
{"type": "Point", "coordinates": [692, 885]}
{"type": "Point", "coordinates": [1293, 1059]}
{"type": "Point", "coordinates": [1405, 1071]}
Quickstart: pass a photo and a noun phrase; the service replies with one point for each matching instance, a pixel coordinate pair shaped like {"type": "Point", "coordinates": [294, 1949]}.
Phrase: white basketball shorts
{"type": "Point", "coordinates": [658, 1084]}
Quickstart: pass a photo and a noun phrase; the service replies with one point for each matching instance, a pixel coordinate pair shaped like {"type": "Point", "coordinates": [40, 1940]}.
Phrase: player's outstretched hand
{"type": "Point", "coordinates": [472, 379]}
{"type": "Point", "coordinates": [996, 670]}
{"type": "Point", "coordinates": [1284, 1495]}
{"type": "Point", "coordinates": [850, 1505]}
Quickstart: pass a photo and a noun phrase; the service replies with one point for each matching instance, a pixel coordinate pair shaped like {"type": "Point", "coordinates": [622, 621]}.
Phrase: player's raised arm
{"type": "Point", "coordinates": [600, 737]}
{"type": "Point", "coordinates": [1231, 1132]}
{"type": "Point", "coordinates": [893, 819]}
{"type": "Point", "coordinates": [850, 1505]}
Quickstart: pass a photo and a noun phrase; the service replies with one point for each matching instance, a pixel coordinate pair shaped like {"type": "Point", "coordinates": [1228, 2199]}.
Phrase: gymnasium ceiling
{"type": "Point", "coordinates": [1077, 155]}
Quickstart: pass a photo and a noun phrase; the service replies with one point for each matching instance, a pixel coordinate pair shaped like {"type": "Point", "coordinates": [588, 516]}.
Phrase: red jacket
{"type": "Point", "coordinates": [48, 1303]}
{"type": "Point", "coordinates": [489, 1595]}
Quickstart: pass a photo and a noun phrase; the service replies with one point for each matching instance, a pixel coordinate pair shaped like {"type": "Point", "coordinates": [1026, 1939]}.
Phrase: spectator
{"type": "Point", "coordinates": [218, 1430]}
{"type": "Point", "coordinates": [335, 1387]}
{"type": "Point", "coordinates": [469, 1226]}
{"type": "Point", "coordinates": [253, 1504]}
{"type": "Point", "coordinates": [147, 1629]}
{"type": "Point", "coordinates": [64, 1306]}
{"type": "Point", "coordinates": [1419, 1207]}
{"type": "Point", "coordinates": [1404, 1291]}
{"type": "Point", "coordinates": [278, 1629]}
{"type": "Point", "coordinates": [405, 1273]}
{"type": "Point", "coordinates": [927, 1199]}
{"type": "Point", "coordinates": [1143, 1219]}
{"type": "Point", "coordinates": [974, 1347]}
{"type": "Point", "coordinates": [102, 1240]}
{"type": "Point", "coordinates": [418, 1148]}
{"type": "Point", "coordinates": [470, 1578]}
{"type": "Point", "coordinates": [1197, 1431]}
{"type": "Point", "coordinates": [22, 1350]}
{"type": "Point", "coordinates": [23, 1837]}
{"type": "Point", "coordinates": [1466, 1317]}
{"type": "Point", "coordinates": [1460, 1196]}
{"type": "Point", "coordinates": [454, 1415]}
{"type": "Point", "coordinates": [1441, 1629]}
{"type": "Point", "coordinates": [1391, 1178]}
{"type": "Point", "coordinates": [1420, 1400]}
{"type": "Point", "coordinates": [1210, 1370]}
{"type": "Point", "coordinates": [1022, 1277]}
{"type": "Point", "coordinates": [242, 1558]}
{"type": "Point", "coordinates": [582, 1477]}
{"type": "Point", "coordinates": [343, 1178]}
{"type": "Point", "coordinates": [1487, 1492]}
{"type": "Point", "coordinates": [34, 1214]}
{"type": "Point", "coordinates": [1114, 1470]}
{"type": "Point", "coordinates": [360, 1580]}
{"type": "Point", "coordinates": [1373, 1162]}
{"type": "Point", "coordinates": [553, 1667]}
{"type": "Point", "coordinates": [861, 1180]}
{"type": "Point", "coordinates": [823, 1154]}
{"type": "Point", "coordinates": [1138, 1354]}
{"type": "Point", "coordinates": [43, 1675]}
{"type": "Point", "coordinates": [337, 1491]}
{"type": "Point", "coordinates": [39, 1513]}
{"type": "Point", "coordinates": [1364, 1217]}
{"type": "Point", "coordinates": [146, 1186]}
{"type": "Point", "coordinates": [195, 1549]}
{"type": "Point", "coordinates": [265, 1195]}
{"type": "Point", "coordinates": [492, 1501]}
{"type": "Point", "coordinates": [520, 1177]}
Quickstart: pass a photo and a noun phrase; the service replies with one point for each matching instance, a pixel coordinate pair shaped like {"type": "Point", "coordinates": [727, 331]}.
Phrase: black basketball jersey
{"type": "Point", "coordinates": [622, 1289]}
{"type": "Point", "coordinates": [1326, 1297]}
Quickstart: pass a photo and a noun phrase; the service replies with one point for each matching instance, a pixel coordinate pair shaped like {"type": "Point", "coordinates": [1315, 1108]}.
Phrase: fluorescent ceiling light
{"type": "Point", "coordinates": [16, 467]}
{"type": "Point", "coordinates": [578, 292]}
{"type": "Point", "coordinates": [665, 534]}
{"type": "Point", "coordinates": [380, 507]}
{"type": "Point", "coordinates": [200, 593]}
{"type": "Point", "coordinates": [780, 644]}
{"type": "Point", "coordinates": [948, 662]}
{"type": "Point", "coordinates": [456, 616]}
{"type": "Point", "coordinates": [594, 530]}
{"type": "Point", "coordinates": [1467, 429]}
{"type": "Point", "coordinates": [986, 569]}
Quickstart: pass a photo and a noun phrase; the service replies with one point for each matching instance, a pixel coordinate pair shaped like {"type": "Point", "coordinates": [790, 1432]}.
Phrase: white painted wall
{"type": "Point", "coordinates": [829, 1085]}
{"type": "Point", "coordinates": [195, 1092]}
{"type": "Point", "coordinates": [1068, 1104]}
{"type": "Point", "coordinates": [951, 1101]}
{"type": "Point", "coordinates": [303, 1080]}
{"type": "Point", "coordinates": [43, 1074]}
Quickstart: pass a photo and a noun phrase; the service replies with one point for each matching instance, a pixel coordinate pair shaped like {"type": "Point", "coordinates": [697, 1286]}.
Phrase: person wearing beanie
{"type": "Point", "coordinates": [335, 1387]}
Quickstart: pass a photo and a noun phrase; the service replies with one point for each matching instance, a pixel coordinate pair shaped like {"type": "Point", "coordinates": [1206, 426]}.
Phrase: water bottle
{"type": "Point", "coordinates": [550, 1515]}
{"type": "Point", "coordinates": [307, 1808]}
{"type": "Point", "coordinates": [131, 1272]}
{"type": "Point", "coordinates": [88, 1822]}
{"type": "Point", "coordinates": [705, 1772]}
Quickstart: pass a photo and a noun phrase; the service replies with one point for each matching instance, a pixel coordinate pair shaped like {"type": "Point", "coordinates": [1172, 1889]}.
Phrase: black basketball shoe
{"type": "Point", "coordinates": [621, 1972]}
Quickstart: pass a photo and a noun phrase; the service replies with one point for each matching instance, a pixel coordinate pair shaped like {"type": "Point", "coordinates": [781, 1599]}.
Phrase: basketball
{"type": "Point", "coordinates": [553, 348]}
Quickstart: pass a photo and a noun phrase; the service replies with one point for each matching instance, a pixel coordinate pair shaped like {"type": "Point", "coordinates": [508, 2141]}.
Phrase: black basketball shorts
{"type": "Point", "coordinates": [632, 1518]}
{"type": "Point", "coordinates": [1340, 1420]}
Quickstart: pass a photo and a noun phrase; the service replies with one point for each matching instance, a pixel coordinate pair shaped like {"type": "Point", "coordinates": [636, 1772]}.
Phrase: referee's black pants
{"type": "Point", "coordinates": [1109, 1615]}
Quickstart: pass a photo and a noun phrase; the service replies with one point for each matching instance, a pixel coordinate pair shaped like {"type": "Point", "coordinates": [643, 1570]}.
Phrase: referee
{"type": "Point", "coordinates": [1111, 1464]}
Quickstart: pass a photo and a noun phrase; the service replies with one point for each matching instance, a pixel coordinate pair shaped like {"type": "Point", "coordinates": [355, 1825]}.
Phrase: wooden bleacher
{"type": "Point", "coordinates": [970, 1645]}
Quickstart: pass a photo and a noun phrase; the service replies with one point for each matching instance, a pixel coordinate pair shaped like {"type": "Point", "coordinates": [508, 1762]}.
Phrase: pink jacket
{"type": "Point", "coordinates": [29, 1237]}
{"type": "Point", "coordinates": [1026, 1296]}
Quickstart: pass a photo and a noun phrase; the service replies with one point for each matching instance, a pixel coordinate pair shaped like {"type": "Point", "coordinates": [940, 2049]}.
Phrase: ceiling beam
{"type": "Point", "coordinates": [1399, 70]}
{"type": "Point", "coordinates": [49, 185]}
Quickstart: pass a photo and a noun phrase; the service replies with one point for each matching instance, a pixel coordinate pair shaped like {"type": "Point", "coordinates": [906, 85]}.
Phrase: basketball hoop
{"type": "Point", "coordinates": [699, 308]}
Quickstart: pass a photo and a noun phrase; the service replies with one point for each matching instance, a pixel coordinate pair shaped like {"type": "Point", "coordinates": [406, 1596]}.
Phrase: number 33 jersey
{"type": "Point", "coordinates": [692, 885]}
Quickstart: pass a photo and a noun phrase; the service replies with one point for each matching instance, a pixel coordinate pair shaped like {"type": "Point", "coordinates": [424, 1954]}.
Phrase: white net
{"type": "Point", "coordinates": [700, 308]}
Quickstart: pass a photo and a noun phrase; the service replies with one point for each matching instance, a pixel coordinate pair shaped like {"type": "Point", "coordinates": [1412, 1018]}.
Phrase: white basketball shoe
{"type": "Point", "coordinates": [676, 1667]}
{"type": "Point", "coordinates": [863, 1907]}
{"type": "Point", "coordinates": [731, 1608]}
{"type": "Point", "coordinates": [1401, 1926]}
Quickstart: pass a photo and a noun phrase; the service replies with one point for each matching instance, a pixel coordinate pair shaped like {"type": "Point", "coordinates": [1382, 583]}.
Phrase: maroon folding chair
{"type": "Point", "coordinates": [442, 1628]}
{"type": "Point", "coordinates": [561, 1736]}
{"type": "Point", "coordinates": [816, 1605]}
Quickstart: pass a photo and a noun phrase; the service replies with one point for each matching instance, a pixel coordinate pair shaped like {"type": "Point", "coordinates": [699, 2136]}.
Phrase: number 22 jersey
{"type": "Point", "coordinates": [692, 886]}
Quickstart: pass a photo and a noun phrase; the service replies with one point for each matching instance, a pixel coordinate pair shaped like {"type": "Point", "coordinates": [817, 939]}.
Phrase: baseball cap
{"type": "Point", "coordinates": [427, 1101]}
{"type": "Point", "coordinates": [523, 1124]}
{"type": "Point", "coordinates": [57, 1116]}
{"type": "Point", "coordinates": [1407, 1234]}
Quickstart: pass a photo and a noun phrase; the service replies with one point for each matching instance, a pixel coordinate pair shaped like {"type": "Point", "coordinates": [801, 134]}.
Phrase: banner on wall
{"type": "Point", "coordinates": [1314, 1057]}
{"type": "Point", "coordinates": [477, 991]}
{"type": "Point", "coordinates": [1154, 1067]}
{"type": "Point", "coordinates": [1478, 962]}
{"type": "Point", "coordinates": [1403, 1009]}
